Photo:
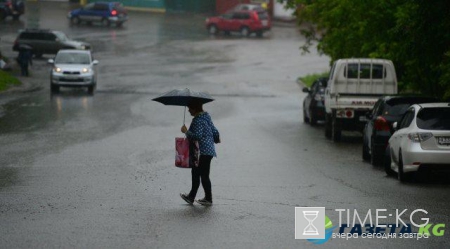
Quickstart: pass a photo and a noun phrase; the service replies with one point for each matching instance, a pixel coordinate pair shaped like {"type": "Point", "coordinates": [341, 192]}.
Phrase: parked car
{"type": "Point", "coordinates": [103, 12]}
{"type": "Point", "coordinates": [44, 41]}
{"type": "Point", "coordinates": [244, 21]}
{"type": "Point", "coordinates": [14, 8]}
{"type": "Point", "coordinates": [313, 104]}
{"type": "Point", "coordinates": [73, 68]}
{"type": "Point", "coordinates": [378, 129]}
{"type": "Point", "coordinates": [421, 140]}
{"type": "Point", "coordinates": [353, 88]}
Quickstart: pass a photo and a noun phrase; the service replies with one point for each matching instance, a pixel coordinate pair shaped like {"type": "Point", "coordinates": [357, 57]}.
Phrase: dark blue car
{"type": "Point", "coordinates": [103, 12]}
{"type": "Point", "coordinates": [378, 129]}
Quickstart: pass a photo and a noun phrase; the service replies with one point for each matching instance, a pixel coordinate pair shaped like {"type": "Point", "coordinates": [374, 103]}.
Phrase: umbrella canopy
{"type": "Point", "coordinates": [24, 47]}
{"type": "Point", "coordinates": [183, 97]}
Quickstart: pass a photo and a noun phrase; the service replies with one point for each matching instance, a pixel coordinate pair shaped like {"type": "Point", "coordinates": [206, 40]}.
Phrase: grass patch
{"type": "Point", "coordinates": [309, 79]}
{"type": "Point", "coordinates": [7, 81]}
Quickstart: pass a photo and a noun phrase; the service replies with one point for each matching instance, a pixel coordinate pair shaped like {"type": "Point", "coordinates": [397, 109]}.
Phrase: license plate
{"type": "Point", "coordinates": [444, 140]}
{"type": "Point", "coordinates": [363, 118]}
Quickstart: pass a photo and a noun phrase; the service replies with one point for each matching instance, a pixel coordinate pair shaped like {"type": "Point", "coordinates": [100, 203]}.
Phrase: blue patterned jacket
{"type": "Point", "coordinates": [203, 130]}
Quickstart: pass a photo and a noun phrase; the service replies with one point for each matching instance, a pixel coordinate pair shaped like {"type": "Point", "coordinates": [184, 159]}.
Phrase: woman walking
{"type": "Point", "coordinates": [205, 133]}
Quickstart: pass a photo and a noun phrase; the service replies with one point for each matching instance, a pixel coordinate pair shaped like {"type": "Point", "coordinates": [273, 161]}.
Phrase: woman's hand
{"type": "Point", "coordinates": [184, 129]}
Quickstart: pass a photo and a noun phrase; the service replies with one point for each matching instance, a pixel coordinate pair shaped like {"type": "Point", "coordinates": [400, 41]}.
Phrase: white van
{"type": "Point", "coordinates": [353, 88]}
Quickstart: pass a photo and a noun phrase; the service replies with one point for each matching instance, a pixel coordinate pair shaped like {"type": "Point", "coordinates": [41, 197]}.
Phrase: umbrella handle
{"type": "Point", "coordinates": [184, 117]}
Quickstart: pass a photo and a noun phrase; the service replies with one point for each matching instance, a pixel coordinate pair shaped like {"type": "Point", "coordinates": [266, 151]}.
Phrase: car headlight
{"type": "Point", "coordinates": [85, 70]}
{"type": "Point", "coordinates": [83, 47]}
{"type": "Point", "coordinates": [57, 69]}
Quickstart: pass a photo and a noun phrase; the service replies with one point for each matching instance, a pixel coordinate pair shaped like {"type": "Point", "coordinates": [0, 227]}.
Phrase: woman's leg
{"type": "Point", "coordinates": [205, 166]}
{"type": "Point", "coordinates": [195, 182]}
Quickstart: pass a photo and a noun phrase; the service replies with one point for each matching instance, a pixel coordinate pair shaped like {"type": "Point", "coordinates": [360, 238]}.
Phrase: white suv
{"type": "Point", "coordinates": [73, 68]}
{"type": "Point", "coordinates": [421, 140]}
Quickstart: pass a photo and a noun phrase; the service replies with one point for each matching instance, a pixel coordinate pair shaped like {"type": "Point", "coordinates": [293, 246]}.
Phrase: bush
{"type": "Point", "coordinates": [7, 80]}
{"type": "Point", "coordinates": [309, 79]}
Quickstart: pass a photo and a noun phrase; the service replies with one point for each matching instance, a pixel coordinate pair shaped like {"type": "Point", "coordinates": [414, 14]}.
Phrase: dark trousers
{"type": "Point", "coordinates": [202, 173]}
{"type": "Point", "coordinates": [24, 69]}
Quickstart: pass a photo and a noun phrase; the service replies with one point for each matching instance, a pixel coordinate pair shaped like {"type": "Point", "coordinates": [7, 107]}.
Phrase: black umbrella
{"type": "Point", "coordinates": [24, 47]}
{"type": "Point", "coordinates": [183, 97]}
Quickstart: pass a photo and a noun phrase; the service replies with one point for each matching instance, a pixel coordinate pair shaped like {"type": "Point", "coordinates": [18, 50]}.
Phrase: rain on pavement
{"type": "Point", "coordinates": [96, 171]}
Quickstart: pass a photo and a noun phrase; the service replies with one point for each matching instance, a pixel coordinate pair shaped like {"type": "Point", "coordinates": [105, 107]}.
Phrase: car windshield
{"type": "Point", "coordinates": [72, 58]}
{"type": "Point", "coordinates": [434, 118]}
{"type": "Point", "coordinates": [61, 36]}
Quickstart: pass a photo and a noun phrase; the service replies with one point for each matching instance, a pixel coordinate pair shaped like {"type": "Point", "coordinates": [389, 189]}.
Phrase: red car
{"type": "Point", "coordinates": [243, 21]}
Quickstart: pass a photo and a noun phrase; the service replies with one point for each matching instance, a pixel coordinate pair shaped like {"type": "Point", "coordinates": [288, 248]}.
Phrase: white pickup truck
{"type": "Point", "coordinates": [353, 88]}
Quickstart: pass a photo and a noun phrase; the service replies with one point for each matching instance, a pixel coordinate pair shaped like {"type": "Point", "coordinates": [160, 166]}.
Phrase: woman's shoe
{"type": "Point", "coordinates": [186, 198]}
{"type": "Point", "coordinates": [204, 202]}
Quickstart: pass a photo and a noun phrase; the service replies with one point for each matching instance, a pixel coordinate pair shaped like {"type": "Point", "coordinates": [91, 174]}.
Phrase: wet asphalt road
{"type": "Point", "coordinates": [82, 171]}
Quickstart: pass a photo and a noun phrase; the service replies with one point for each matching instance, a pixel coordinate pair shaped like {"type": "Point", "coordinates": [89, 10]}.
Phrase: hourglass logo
{"type": "Point", "coordinates": [310, 222]}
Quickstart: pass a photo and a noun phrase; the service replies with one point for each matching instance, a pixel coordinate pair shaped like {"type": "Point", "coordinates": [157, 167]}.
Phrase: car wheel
{"type": "Point", "coordinates": [119, 24]}
{"type": "Point", "coordinates": [91, 89]}
{"type": "Point", "coordinates": [365, 153]}
{"type": "Point", "coordinates": [327, 126]}
{"type": "Point", "coordinates": [402, 176]}
{"type": "Point", "coordinates": [245, 31]}
{"type": "Point", "coordinates": [16, 17]}
{"type": "Point", "coordinates": [75, 20]}
{"type": "Point", "coordinates": [106, 22]}
{"type": "Point", "coordinates": [336, 130]}
{"type": "Point", "coordinates": [313, 119]}
{"type": "Point", "coordinates": [212, 29]}
{"type": "Point", "coordinates": [2, 15]}
{"type": "Point", "coordinates": [54, 88]}
{"type": "Point", "coordinates": [375, 158]}
{"type": "Point", "coordinates": [387, 162]}
{"type": "Point", "coordinates": [305, 118]}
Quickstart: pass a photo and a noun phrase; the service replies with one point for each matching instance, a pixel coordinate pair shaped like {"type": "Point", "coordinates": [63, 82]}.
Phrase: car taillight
{"type": "Point", "coordinates": [381, 124]}
{"type": "Point", "coordinates": [420, 136]}
{"type": "Point", "coordinates": [114, 12]}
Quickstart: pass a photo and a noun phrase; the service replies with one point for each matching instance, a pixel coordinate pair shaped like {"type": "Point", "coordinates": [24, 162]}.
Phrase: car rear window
{"type": "Point", "coordinates": [395, 110]}
{"type": "Point", "coordinates": [263, 15]}
{"type": "Point", "coordinates": [101, 7]}
{"type": "Point", "coordinates": [363, 70]}
{"type": "Point", "coordinates": [434, 118]}
{"type": "Point", "coordinates": [119, 7]}
{"type": "Point", "coordinates": [398, 106]}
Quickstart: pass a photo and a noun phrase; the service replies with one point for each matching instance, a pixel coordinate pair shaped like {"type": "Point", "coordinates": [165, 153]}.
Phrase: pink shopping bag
{"type": "Point", "coordinates": [186, 153]}
{"type": "Point", "coordinates": [181, 152]}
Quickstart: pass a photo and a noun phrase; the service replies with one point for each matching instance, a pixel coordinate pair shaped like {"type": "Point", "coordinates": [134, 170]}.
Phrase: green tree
{"type": "Point", "coordinates": [414, 34]}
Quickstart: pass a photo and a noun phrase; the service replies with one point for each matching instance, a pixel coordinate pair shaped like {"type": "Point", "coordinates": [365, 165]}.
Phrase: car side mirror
{"type": "Point", "coordinates": [394, 125]}
{"type": "Point", "coordinates": [306, 90]}
{"type": "Point", "coordinates": [51, 61]}
{"type": "Point", "coordinates": [95, 62]}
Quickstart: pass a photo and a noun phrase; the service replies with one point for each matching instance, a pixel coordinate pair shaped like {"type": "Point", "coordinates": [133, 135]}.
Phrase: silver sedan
{"type": "Point", "coordinates": [73, 68]}
{"type": "Point", "coordinates": [421, 140]}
